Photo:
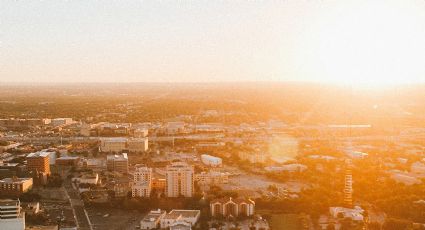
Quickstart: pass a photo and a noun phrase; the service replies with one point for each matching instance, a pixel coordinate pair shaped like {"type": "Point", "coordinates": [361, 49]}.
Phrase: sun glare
{"type": "Point", "coordinates": [369, 44]}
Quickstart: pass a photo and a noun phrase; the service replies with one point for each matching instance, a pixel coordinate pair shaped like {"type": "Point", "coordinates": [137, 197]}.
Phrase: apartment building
{"type": "Point", "coordinates": [142, 181]}
{"type": "Point", "coordinates": [180, 179]}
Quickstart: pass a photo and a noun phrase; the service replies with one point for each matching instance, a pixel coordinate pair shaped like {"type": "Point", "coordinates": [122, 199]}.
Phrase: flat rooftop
{"type": "Point", "coordinates": [184, 213]}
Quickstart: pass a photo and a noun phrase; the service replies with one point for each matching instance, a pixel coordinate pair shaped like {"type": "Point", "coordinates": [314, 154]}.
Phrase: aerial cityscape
{"type": "Point", "coordinates": [212, 115]}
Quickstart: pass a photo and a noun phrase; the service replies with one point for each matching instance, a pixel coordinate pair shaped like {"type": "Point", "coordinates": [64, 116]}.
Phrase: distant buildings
{"type": "Point", "coordinates": [175, 127]}
{"type": "Point", "coordinates": [212, 178]}
{"type": "Point", "coordinates": [137, 145]}
{"type": "Point", "coordinates": [113, 145]}
{"type": "Point", "coordinates": [88, 179]}
{"type": "Point", "coordinates": [229, 207]}
{"type": "Point", "coordinates": [180, 219]}
{"type": "Point", "coordinates": [67, 161]}
{"type": "Point", "coordinates": [211, 160]}
{"type": "Point", "coordinates": [180, 179]}
{"type": "Point", "coordinates": [254, 157]}
{"type": "Point", "coordinates": [355, 214]}
{"type": "Point", "coordinates": [61, 121]}
{"type": "Point", "coordinates": [14, 187]}
{"type": "Point", "coordinates": [356, 154]}
{"type": "Point", "coordinates": [10, 169]}
{"type": "Point", "coordinates": [286, 168]}
{"type": "Point", "coordinates": [117, 163]}
{"type": "Point", "coordinates": [11, 217]}
{"type": "Point", "coordinates": [119, 144]}
{"type": "Point", "coordinates": [142, 182]}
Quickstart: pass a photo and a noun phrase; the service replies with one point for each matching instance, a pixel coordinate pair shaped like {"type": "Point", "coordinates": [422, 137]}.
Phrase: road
{"type": "Point", "coordinates": [214, 137]}
{"type": "Point", "coordinates": [82, 220]}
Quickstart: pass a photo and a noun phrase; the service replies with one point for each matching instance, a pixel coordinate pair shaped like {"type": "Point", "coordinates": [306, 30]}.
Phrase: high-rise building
{"type": "Point", "coordinates": [142, 182]}
{"type": "Point", "coordinates": [117, 163]}
{"type": "Point", "coordinates": [39, 162]}
{"type": "Point", "coordinates": [179, 177]}
{"type": "Point", "coordinates": [348, 188]}
{"type": "Point", "coordinates": [11, 217]}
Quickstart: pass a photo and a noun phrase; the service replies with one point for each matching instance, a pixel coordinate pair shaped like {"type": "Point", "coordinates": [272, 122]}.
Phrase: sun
{"type": "Point", "coordinates": [368, 43]}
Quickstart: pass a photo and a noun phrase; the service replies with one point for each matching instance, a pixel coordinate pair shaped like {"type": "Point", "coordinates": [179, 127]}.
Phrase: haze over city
{"type": "Point", "coordinates": [344, 42]}
{"type": "Point", "coordinates": [212, 115]}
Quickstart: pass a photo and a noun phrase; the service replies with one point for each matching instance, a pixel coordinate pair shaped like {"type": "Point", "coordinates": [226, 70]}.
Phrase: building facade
{"type": "Point", "coordinates": [229, 207]}
{"type": "Point", "coordinates": [117, 163]}
{"type": "Point", "coordinates": [39, 162]}
{"type": "Point", "coordinates": [142, 182]}
{"type": "Point", "coordinates": [180, 179]}
{"type": "Point", "coordinates": [14, 187]}
{"type": "Point", "coordinates": [11, 217]}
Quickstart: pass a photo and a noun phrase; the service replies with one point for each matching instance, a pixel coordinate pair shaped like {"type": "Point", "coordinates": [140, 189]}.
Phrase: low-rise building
{"type": "Point", "coordinates": [14, 186]}
{"type": "Point", "coordinates": [88, 179]}
{"type": "Point", "coordinates": [138, 145]}
{"type": "Point", "coordinates": [212, 178]}
{"type": "Point", "coordinates": [211, 160]}
{"type": "Point", "coordinates": [180, 217]}
{"type": "Point", "coordinates": [286, 168]}
{"type": "Point", "coordinates": [355, 214]}
{"type": "Point", "coordinates": [253, 157]}
{"type": "Point", "coordinates": [113, 145]}
{"type": "Point", "coordinates": [11, 217]}
{"type": "Point", "coordinates": [117, 163]}
{"type": "Point", "coordinates": [67, 161]}
{"type": "Point", "coordinates": [152, 220]}
{"type": "Point", "coordinates": [232, 207]}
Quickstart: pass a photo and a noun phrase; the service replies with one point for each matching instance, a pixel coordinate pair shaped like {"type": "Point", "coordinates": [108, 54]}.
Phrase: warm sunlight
{"type": "Point", "coordinates": [368, 43]}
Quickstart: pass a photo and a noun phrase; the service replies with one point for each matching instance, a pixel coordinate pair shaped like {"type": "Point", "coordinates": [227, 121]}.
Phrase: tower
{"type": "Point", "coordinates": [348, 187]}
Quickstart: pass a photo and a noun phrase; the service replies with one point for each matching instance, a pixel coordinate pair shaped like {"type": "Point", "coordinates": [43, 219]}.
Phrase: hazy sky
{"type": "Point", "coordinates": [144, 41]}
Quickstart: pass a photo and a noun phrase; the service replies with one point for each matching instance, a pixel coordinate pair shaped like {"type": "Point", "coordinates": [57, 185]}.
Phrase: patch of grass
{"type": "Point", "coordinates": [285, 221]}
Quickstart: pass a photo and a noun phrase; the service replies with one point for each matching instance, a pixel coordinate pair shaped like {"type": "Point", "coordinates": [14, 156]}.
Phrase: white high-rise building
{"type": "Point", "coordinates": [11, 217]}
{"type": "Point", "coordinates": [179, 177]}
{"type": "Point", "coordinates": [142, 182]}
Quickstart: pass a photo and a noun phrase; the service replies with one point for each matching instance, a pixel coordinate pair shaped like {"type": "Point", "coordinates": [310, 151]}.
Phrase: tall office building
{"type": "Point", "coordinates": [11, 217]}
{"type": "Point", "coordinates": [142, 182]}
{"type": "Point", "coordinates": [348, 188]}
{"type": "Point", "coordinates": [179, 177]}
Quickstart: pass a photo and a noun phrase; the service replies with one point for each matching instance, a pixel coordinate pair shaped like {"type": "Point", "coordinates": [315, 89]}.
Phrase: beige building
{"type": "Point", "coordinates": [254, 157]}
{"type": "Point", "coordinates": [180, 219]}
{"type": "Point", "coordinates": [229, 207]}
{"type": "Point", "coordinates": [152, 219]}
{"type": "Point", "coordinates": [212, 178]}
{"type": "Point", "coordinates": [15, 186]}
{"type": "Point", "coordinates": [142, 182]}
{"type": "Point", "coordinates": [180, 178]}
{"type": "Point", "coordinates": [114, 145]}
{"type": "Point", "coordinates": [137, 145]}
{"type": "Point", "coordinates": [119, 144]}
